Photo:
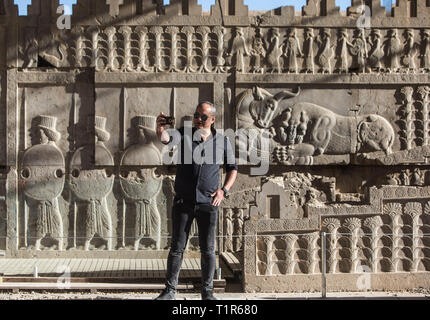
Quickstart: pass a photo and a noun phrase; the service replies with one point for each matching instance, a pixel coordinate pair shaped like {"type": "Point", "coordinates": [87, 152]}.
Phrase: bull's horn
{"type": "Point", "coordinates": [287, 94]}
{"type": "Point", "coordinates": [260, 93]}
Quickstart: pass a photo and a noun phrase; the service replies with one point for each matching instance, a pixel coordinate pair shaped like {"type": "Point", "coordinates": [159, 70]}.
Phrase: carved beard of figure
{"type": "Point", "coordinates": [263, 113]}
{"type": "Point", "coordinates": [39, 137]}
{"type": "Point", "coordinates": [140, 136]}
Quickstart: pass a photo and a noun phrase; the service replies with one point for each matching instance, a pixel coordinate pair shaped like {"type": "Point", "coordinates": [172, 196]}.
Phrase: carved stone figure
{"type": "Point", "coordinates": [408, 58]}
{"type": "Point", "coordinates": [342, 51]}
{"type": "Point", "coordinates": [404, 177]}
{"type": "Point", "coordinates": [426, 50]}
{"type": "Point", "coordinates": [292, 50]}
{"type": "Point", "coordinates": [376, 53]}
{"type": "Point", "coordinates": [141, 186]}
{"type": "Point", "coordinates": [258, 53]}
{"type": "Point", "coordinates": [228, 230]}
{"type": "Point", "coordinates": [237, 230]}
{"type": "Point", "coordinates": [42, 170]}
{"type": "Point", "coordinates": [93, 185]}
{"type": "Point", "coordinates": [309, 57]}
{"type": "Point", "coordinates": [274, 51]}
{"type": "Point", "coordinates": [417, 178]}
{"type": "Point", "coordinates": [359, 50]}
{"type": "Point", "coordinates": [392, 49]}
{"type": "Point", "coordinates": [238, 51]}
{"type": "Point", "coordinates": [326, 51]}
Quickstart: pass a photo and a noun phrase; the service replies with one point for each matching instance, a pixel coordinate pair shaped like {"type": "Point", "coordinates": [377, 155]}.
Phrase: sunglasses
{"type": "Point", "coordinates": [201, 116]}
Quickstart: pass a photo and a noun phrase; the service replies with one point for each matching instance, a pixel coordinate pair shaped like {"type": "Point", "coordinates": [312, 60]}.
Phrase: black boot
{"type": "Point", "coordinates": [208, 295]}
{"type": "Point", "coordinates": [166, 294]}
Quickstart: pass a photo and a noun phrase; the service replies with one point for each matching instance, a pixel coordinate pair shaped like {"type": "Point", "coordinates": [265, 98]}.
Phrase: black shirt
{"type": "Point", "coordinates": [198, 163]}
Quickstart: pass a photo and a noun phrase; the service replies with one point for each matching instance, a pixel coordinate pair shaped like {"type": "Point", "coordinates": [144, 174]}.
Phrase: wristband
{"type": "Point", "coordinates": [225, 192]}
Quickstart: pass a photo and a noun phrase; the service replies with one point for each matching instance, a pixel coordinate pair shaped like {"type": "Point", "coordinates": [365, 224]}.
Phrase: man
{"type": "Point", "coordinates": [197, 193]}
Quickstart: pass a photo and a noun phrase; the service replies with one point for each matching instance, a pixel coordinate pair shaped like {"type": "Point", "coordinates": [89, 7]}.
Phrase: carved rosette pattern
{"type": "Point", "coordinates": [290, 250]}
{"type": "Point", "coordinates": [374, 224]}
{"type": "Point", "coordinates": [414, 210]}
{"type": "Point", "coordinates": [128, 63]}
{"type": "Point", "coordinates": [94, 34]}
{"type": "Point", "coordinates": [312, 248]}
{"type": "Point", "coordinates": [112, 49]}
{"type": "Point", "coordinates": [143, 49]}
{"type": "Point", "coordinates": [78, 32]}
{"type": "Point", "coordinates": [189, 32]}
{"type": "Point", "coordinates": [332, 225]}
{"type": "Point", "coordinates": [423, 102]}
{"type": "Point", "coordinates": [354, 226]}
{"type": "Point", "coordinates": [394, 210]}
{"type": "Point", "coordinates": [173, 32]}
{"type": "Point", "coordinates": [264, 265]}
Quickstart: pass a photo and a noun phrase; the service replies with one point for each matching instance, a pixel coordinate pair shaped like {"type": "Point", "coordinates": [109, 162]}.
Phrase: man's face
{"type": "Point", "coordinates": [202, 111]}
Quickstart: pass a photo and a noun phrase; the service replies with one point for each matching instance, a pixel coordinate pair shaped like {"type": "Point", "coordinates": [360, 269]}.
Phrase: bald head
{"type": "Point", "coordinates": [205, 113]}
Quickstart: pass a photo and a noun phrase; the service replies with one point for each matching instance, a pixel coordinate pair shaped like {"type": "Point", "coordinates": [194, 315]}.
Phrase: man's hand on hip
{"type": "Point", "coordinates": [218, 197]}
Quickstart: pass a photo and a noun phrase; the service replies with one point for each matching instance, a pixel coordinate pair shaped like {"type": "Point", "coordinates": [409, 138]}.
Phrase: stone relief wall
{"type": "Point", "coordinates": [345, 111]}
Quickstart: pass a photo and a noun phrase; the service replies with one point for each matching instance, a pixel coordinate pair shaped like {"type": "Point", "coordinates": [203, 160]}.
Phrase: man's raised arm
{"type": "Point", "coordinates": [162, 133]}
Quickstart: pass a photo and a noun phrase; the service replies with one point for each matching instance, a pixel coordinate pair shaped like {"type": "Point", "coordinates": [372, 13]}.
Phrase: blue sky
{"type": "Point", "coordinates": [252, 4]}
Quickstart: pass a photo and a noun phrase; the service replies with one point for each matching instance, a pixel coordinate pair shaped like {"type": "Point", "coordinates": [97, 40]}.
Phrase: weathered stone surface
{"type": "Point", "coordinates": [344, 110]}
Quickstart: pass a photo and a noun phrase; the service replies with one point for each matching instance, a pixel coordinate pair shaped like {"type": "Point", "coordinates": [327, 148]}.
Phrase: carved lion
{"type": "Point", "coordinates": [305, 129]}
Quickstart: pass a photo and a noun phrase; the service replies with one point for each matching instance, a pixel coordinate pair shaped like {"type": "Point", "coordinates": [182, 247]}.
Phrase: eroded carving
{"type": "Point", "coordinates": [42, 171]}
{"type": "Point", "coordinates": [141, 185]}
{"type": "Point", "coordinates": [93, 185]}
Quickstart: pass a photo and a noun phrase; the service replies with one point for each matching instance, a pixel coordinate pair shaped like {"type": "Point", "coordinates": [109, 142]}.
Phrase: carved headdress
{"type": "Point", "coordinates": [99, 124]}
{"type": "Point", "coordinates": [48, 125]}
{"type": "Point", "coordinates": [145, 122]}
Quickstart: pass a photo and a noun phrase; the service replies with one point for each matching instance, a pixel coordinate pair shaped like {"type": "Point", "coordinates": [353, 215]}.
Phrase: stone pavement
{"type": "Point", "coordinates": [95, 268]}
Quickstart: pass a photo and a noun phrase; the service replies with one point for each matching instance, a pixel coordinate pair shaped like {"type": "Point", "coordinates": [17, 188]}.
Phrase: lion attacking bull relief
{"type": "Point", "coordinates": [300, 131]}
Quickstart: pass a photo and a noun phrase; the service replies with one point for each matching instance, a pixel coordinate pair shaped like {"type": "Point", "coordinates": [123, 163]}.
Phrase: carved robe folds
{"type": "Point", "coordinates": [43, 182]}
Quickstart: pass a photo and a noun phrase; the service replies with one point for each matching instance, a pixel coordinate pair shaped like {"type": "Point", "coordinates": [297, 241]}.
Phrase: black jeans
{"type": "Point", "coordinates": [183, 214]}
